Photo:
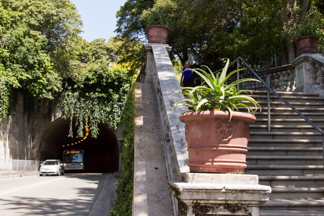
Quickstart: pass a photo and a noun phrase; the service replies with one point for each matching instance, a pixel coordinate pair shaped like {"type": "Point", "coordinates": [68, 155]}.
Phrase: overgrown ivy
{"type": "Point", "coordinates": [100, 98]}
{"type": "Point", "coordinates": [123, 204]}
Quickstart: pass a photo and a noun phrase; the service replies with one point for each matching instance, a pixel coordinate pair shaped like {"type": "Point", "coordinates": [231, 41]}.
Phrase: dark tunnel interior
{"type": "Point", "coordinates": [100, 154]}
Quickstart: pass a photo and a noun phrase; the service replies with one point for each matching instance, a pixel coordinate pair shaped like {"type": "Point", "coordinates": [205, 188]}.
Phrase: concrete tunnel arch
{"type": "Point", "coordinates": [100, 154]}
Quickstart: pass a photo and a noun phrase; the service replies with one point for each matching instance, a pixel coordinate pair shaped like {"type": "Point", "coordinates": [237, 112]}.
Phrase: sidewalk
{"type": "Point", "coordinates": [17, 174]}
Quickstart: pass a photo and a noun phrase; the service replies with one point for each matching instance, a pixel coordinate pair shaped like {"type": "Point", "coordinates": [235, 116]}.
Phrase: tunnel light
{"type": "Point", "coordinates": [85, 137]}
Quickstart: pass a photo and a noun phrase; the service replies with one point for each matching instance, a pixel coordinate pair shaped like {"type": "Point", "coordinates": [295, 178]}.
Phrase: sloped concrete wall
{"type": "Point", "coordinates": [160, 72]}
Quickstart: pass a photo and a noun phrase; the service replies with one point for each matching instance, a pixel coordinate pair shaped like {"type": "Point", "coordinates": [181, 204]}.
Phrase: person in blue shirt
{"type": "Point", "coordinates": [186, 77]}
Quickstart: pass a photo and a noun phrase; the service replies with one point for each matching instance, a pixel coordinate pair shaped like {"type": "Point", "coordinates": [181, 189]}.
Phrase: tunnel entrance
{"type": "Point", "coordinates": [100, 154]}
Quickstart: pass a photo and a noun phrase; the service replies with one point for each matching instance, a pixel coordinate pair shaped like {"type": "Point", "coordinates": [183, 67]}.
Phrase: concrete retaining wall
{"type": "Point", "coordinates": [20, 138]}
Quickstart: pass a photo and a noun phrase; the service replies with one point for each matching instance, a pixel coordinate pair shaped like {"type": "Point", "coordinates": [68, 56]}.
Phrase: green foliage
{"type": "Point", "coordinates": [97, 51]}
{"type": "Point", "coordinates": [58, 22]}
{"type": "Point", "coordinates": [253, 29]}
{"type": "Point", "coordinates": [123, 204]}
{"type": "Point", "coordinates": [129, 53]}
{"type": "Point", "coordinates": [96, 100]}
{"type": "Point", "coordinates": [24, 63]}
{"type": "Point", "coordinates": [313, 25]}
{"type": "Point", "coordinates": [153, 16]}
{"type": "Point", "coordinates": [215, 94]}
{"type": "Point", "coordinates": [129, 23]}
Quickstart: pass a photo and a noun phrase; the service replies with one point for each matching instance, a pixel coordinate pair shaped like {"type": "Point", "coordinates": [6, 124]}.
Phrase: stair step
{"type": "Point", "coordinates": [292, 181]}
{"type": "Point", "coordinates": [287, 160]}
{"type": "Point", "coordinates": [293, 103]}
{"type": "Point", "coordinates": [294, 170]}
{"type": "Point", "coordinates": [288, 114]}
{"type": "Point", "coordinates": [285, 93]}
{"type": "Point", "coordinates": [288, 109]}
{"type": "Point", "coordinates": [300, 121]}
{"type": "Point", "coordinates": [285, 128]}
{"type": "Point", "coordinates": [280, 151]}
{"type": "Point", "coordinates": [291, 143]}
{"type": "Point", "coordinates": [291, 213]}
{"type": "Point", "coordinates": [303, 205]}
{"type": "Point", "coordinates": [281, 135]}
{"type": "Point", "coordinates": [289, 98]}
{"type": "Point", "coordinates": [300, 192]}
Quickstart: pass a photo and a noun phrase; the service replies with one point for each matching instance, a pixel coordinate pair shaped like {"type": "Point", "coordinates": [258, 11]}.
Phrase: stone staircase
{"type": "Point", "coordinates": [289, 158]}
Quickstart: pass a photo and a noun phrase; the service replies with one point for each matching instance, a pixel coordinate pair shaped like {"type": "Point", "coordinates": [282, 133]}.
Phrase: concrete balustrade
{"type": "Point", "coordinates": [309, 73]}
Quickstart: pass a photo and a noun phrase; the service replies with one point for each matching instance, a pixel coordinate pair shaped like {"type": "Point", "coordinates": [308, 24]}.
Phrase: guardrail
{"type": "Point", "coordinates": [19, 165]}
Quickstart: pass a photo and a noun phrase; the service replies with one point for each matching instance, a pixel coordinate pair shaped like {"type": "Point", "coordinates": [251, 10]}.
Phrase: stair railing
{"type": "Point", "coordinates": [269, 89]}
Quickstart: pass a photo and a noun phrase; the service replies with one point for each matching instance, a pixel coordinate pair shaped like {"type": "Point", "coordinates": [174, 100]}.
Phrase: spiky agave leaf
{"type": "Point", "coordinates": [235, 83]}
{"type": "Point", "coordinates": [230, 74]}
{"type": "Point", "coordinates": [245, 98]}
{"type": "Point", "coordinates": [223, 74]}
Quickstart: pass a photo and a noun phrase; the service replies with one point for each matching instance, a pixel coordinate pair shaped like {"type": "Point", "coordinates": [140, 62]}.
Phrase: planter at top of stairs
{"type": "Point", "coordinates": [157, 34]}
{"type": "Point", "coordinates": [307, 44]}
{"type": "Point", "coordinates": [216, 144]}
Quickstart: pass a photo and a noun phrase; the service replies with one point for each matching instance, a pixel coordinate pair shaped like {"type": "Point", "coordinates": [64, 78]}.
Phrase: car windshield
{"type": "Point", "coordinates": [51, 163]}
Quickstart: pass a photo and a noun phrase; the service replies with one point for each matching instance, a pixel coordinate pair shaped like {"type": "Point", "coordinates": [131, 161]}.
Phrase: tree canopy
{"type": "Point", "coordinates": [43, 56]}
{"type": "Point", "coordinates": [214, 29]}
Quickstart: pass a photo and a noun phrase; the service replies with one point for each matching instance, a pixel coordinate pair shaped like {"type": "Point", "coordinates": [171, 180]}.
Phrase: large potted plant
{"type": "Point", "coordinates": [216, 134]}
{"type": "Point", "coordinates": [306, 37]}
{"type": "Point", "coordinates": [157, 25]}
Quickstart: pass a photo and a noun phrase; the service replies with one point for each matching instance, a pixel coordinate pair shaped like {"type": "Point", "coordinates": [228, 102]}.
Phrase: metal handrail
{"type": "Point", "coordinates": [286, 102]}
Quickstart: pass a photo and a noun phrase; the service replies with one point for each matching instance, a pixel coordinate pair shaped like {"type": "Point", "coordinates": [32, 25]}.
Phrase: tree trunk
{"type": "Point", "coordinates": [290, 48]}
{"type": "Point", "coordinates": [284, 53]}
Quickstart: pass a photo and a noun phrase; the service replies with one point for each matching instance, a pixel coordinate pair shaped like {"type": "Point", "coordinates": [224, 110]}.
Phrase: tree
{"type": "Point", "coordinates": [129, 22]}
{"type": "Point", "coordinates": [129, 53]}
{"type": "Point", "coordinates": [97, 51]}
{"type": "Point", "coordinates": [59, 23]}
{"type": "Point", "coordinates": [24, 63]}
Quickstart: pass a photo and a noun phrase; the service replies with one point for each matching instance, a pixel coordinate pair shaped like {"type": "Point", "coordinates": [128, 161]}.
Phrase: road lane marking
{"type": "Point", "coordinates": [37, 184]}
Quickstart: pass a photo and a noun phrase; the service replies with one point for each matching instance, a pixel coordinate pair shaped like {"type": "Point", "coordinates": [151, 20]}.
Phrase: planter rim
{"type": "Point", "coordinates": [306, 36]}
{"type": "Point", "coordinates": [212, 114]}
{"type": "Point", "coordinates": [160, 26]}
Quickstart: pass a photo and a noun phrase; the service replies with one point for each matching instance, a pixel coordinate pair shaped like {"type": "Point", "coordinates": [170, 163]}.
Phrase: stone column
{"type": "Point", "coordinates": [219, 194]}
{"type": "Point", "coordinates": [306, 78]}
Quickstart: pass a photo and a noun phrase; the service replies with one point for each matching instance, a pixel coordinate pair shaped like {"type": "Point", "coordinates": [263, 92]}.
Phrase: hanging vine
{"type": "Point", "coordinates": [100, 98]}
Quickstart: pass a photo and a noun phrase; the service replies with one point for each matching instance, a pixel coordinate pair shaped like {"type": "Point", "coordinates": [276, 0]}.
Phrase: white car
{"type": "Point", "coordinates": [51, 167]}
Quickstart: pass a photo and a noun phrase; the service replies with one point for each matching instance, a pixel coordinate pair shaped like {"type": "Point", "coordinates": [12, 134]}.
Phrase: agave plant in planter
{"type": "Point", "coordinates": [216, 134]}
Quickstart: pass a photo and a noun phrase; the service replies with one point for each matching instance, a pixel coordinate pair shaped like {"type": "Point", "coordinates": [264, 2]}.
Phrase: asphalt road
{"type": "Point", "coordinates": [71, 194]}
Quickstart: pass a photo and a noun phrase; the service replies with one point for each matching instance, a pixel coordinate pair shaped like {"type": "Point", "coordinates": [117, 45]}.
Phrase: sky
{"type": "Point", "coordinates": [98, 17]}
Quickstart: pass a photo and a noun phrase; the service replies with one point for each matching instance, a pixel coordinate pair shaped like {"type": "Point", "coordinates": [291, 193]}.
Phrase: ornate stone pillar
{"type": "Point", "coordinates": [305, 71]}
{"type": "Point", "coordinates": [219, 194]}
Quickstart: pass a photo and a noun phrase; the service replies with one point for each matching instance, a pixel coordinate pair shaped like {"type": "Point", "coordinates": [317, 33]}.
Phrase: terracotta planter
{"type": "Point", "coordinates": [216, 145]}
{"type": "Point", "coordinates": [157, 34]}
{"type": "Point", "coordinates": [307, 44]}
